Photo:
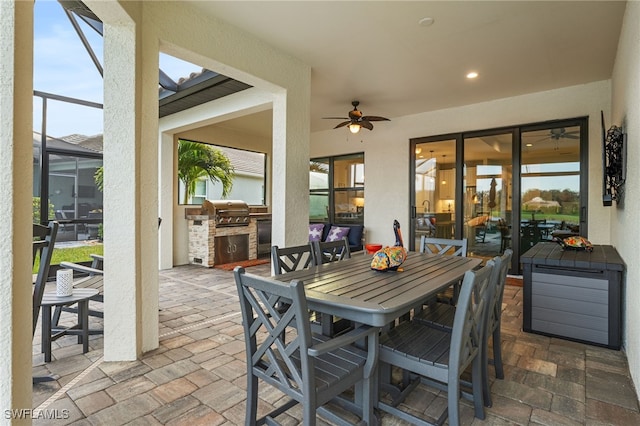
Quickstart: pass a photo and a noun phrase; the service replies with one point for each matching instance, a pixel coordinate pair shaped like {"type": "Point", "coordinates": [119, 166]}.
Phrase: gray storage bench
{"type": "Point", "coordinates": [575, 295]}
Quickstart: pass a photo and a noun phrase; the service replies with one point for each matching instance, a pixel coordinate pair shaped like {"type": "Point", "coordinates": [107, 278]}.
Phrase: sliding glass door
{"type": "Point", "coordinates": [433, 212]}
{"type": "Point", "coordinates": [550, 194]}
{"type": "Point", "coordinates": [502, 188]}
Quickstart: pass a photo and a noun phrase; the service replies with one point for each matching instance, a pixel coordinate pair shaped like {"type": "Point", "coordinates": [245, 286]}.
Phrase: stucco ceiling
{"type": "Point", "coordinates": [378, 53]}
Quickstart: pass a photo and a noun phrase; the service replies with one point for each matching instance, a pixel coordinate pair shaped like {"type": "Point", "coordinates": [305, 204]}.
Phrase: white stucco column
{"type": "Point", "coordinates": [16, 187]}
{"type": "Point", "coordinates": [131, 188]}
{"type": "Point", "coordinates": [290, 187]}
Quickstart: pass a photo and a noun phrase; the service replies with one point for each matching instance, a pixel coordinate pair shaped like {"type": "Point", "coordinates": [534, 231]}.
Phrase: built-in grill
{"type": "Point", "coordinates": [227, 212]}
{"type": "Point", "coordinates": [220, 232]}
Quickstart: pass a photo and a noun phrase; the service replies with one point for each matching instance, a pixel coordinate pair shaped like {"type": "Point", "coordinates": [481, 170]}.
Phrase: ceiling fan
{"type": "Point", "coordinates": [356, 120]}
{"type": "Point", "coordinates": [561, 133]}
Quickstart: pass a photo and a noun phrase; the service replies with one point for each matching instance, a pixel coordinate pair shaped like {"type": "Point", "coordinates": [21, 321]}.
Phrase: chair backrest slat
{"type": "Point", "coordinates": [44, 239]}
{"type": "Point", "coordinates": [443, 246]}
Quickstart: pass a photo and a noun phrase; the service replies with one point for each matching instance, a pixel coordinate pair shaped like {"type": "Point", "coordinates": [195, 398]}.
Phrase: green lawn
{"type": "Point", "coordinates": [72, 254]}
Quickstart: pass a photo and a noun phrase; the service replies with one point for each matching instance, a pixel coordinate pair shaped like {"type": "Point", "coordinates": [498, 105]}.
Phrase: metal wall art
{"type": "Point", "coordinates": [613, 164]}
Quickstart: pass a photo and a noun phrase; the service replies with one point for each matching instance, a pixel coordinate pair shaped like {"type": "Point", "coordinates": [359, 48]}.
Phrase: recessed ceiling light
{"type": "Point", "coordinates": [529, 144]}
{"type": "Point", "coordinates": [426, 22]}
{"type": "Point", "coordinates": [472, 75]}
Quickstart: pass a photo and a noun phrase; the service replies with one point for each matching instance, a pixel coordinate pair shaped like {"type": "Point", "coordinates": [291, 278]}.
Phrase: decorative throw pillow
{"type": "Point", "coordinates": [315, 231]}
{"type": "Point", "coordinates": [337, 233]}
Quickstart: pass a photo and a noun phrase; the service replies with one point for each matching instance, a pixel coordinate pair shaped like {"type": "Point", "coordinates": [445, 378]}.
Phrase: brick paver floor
{"type": "Point", "coordinates": [197, 374]}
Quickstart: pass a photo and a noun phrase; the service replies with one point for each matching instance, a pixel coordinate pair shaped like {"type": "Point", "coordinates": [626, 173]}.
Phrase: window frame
{"type": "Point", "coordinates": [332, 191]}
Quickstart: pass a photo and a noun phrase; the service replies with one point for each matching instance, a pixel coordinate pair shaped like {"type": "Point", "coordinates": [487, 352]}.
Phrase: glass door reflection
{"type": "Point", "coordinates": [435, 189]}
{"type": "Point", "coordinates": [487, 194]}
{"type": "Point", "coordinates": [550, 185]}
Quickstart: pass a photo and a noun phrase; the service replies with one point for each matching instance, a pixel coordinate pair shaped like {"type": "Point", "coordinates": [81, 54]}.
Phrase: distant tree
{"type": "Point", "coordinates": [197, 160]}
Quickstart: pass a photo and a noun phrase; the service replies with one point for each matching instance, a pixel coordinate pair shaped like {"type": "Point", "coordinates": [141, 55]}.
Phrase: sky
{"type": "Point", "coordinates": [62, 66]}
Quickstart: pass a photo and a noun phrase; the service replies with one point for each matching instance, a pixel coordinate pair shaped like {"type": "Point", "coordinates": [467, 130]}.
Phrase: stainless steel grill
{"type": "Point", "coordinates": [227, 212]}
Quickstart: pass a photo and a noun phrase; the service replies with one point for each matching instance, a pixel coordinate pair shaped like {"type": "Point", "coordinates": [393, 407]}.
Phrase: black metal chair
{"type": "Point", "coordinates": [505, 235]}
{"type": "Point", "coordinates": [439, 357]}
{"type": "Point", "coordinates": [441, 316]}
{"type": "Point", "coordinates": [530, 236]}
{"type": "Point", "coordinates": [311, 369]}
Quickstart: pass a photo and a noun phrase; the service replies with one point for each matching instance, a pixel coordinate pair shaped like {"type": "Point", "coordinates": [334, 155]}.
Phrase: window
{"type": "Point", "coordinates": [200, 193]}
{"type": "Point", "coordinates": [336, 189]}
{"type": "Point", "coordinates": [241, 171]}
{"type": "Point", "coordinates": [319, 190]}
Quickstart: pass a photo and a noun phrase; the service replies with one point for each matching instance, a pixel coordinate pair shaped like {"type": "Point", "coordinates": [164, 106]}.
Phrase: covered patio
{"type": "Point", "coordinates": [170, 356]}
{"type": "Point", "coordinates": [197, 375]}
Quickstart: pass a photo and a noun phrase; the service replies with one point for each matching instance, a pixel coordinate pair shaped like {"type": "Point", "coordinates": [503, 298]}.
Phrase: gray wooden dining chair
{"type": "Point", "coordinates": [311, 369]}
{"type": "Point", "coordinates": [327, 252]}
{"type": "Point", "coordinates": [438, 357]}
{"type": "Point", "coordinates": [445, 247]}
{"type": "Point", "coordinates": [441, 316]}
{"type": "Point", "coordinates": [331, 251]}
{"type": "Point", "coordinates": [294, 258]}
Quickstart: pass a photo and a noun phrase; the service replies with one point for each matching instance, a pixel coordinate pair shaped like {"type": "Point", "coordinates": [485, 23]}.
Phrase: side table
{"type": "Point", "coordinates": [80, 296]}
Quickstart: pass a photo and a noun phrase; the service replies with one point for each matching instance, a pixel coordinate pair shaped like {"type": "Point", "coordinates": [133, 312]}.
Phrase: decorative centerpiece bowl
{"type": "Point", "coordinates": [372, 248]}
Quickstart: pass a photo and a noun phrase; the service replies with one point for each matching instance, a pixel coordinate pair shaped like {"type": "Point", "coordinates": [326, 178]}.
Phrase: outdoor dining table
{"type": "Point", "coordinates": [350, 289]}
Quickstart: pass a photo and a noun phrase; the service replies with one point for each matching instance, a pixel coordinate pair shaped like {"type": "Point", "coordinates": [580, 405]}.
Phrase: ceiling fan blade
{"type": "Point", "coordinates": [374, 118]}
{"type": "Point", "coordinates": [366, 124]}
{"type": "Point", "coordinates": [570, 136]}
{"type": "Point", "coordinates": [344, 123]}
{"type": "Point", "coordinates": [335, 118]}
{"type": "Point", "coordinates": [544, 139]}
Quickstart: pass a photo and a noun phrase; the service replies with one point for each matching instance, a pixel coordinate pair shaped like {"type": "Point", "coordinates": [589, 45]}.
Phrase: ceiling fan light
{"type": "Point", "coordinates": [354, 128]}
